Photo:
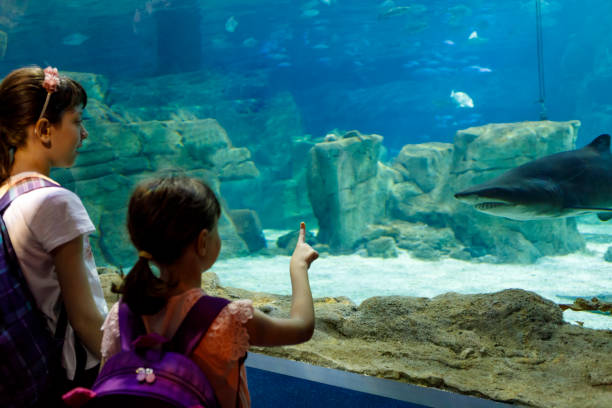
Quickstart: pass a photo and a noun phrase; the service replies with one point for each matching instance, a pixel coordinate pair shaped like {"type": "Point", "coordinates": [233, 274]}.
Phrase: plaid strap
{"type": "Point", "coordinates": [24, 186]}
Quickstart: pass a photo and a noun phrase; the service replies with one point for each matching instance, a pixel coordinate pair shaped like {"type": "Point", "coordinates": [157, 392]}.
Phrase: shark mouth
{"type": "Point", "coordinates": [490, 205]}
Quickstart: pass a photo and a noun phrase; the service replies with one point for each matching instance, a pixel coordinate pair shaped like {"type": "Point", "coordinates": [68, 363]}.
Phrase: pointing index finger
{"type": "Point", "coordinates": [302, 234]}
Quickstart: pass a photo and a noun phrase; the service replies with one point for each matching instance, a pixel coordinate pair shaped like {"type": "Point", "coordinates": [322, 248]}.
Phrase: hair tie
{"type": "Point", "coordinates": [145, 255]}
{"type": "Point", "coordinates": [50, 83]}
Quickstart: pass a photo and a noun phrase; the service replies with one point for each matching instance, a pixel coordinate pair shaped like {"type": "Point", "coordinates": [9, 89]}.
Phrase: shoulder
{"type": "Point", "coordinates": [227, 337]}
{"type": "Point", "coordinates": [48, 201]}
{"type": "Point", "coordinates": [112, 318]}
{"type": "Point", "coordinates": [110, 337]}
{"type": "Point", "coordinates": [52, 195]}
{"type": "Point", "coordinates": [239, 311]}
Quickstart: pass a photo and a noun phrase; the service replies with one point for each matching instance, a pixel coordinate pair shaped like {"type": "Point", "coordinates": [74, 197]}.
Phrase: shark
{"type": "Point", "coordinates": [560, 185]}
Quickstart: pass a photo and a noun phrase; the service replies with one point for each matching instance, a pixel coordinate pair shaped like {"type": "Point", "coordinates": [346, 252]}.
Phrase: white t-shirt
{"type": "Point", "coordinates": [38, 222]}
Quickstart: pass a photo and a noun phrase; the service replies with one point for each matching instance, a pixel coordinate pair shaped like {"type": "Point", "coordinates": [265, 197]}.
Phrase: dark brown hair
{"type": "Point", "coordinates": [165, 215]}
{"type": "Point", "coordinates": [22, 97]}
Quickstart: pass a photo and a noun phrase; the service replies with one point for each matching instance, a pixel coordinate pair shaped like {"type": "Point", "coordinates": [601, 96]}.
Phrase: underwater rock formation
{"type": "Point", "coordinates": [124, 151]}
{"type": "Point", "coordinates": [351, 196]}
{"type": "Point", "coordinates": [348, 189]}
{"type": "Point", "coordinates": [268, 125]}
{"type": "Point", "coordinates": [417, 195]}
{"type": "Point", "coordinates": [509, 346]}
{"type": "Point", "coordinates": [383, 247]}
{"type": "Point", "coordinates": [249, 228]}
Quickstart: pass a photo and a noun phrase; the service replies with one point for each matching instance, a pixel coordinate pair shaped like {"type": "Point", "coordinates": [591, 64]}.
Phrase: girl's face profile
{"type": "Point", "coordinates": [68, 136]}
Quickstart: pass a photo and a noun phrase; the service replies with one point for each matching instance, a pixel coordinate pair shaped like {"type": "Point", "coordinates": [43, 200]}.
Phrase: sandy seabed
{"type": "Point", "coordinates": [558, 278]}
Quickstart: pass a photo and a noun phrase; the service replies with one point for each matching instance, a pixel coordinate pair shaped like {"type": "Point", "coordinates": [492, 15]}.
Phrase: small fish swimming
{"type": "Point", "coordinates": [473, 36]}
{"type": "Point", "coordinates": [401, 10]}
{"type": "Point", "coordinates": [310, 13]}
{"type": "Point", "coordinates": [231, 24]}
{"type": "Point", "coordinates": [395, 11]}
{"type": "Point", "coordinates": [249, 42]}
{"type": "Point", "coordinates": [74, 39]}
{"type": "Point", "coordinates": [480, 69]}
{"type": "Point", "coordinates": [449, 42]}
{"type": "Point", "coordinates": [462, 99]}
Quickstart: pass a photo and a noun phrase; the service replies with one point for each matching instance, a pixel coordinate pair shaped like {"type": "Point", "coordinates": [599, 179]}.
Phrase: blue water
{"type": "Point", "coordinates": [348, 63]}
{"type": "Point", "coordinates": [385, 66]}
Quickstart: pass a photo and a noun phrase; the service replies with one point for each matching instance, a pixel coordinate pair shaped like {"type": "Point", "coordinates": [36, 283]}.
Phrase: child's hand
{"type": "Point", "coordinates": [303, 252]}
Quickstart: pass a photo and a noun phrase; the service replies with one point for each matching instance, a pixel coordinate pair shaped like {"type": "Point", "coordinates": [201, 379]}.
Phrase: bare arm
{"type": "Point", "coordinates": [83, 314]}
{"type": "Point", "coordinates": [269, 331]}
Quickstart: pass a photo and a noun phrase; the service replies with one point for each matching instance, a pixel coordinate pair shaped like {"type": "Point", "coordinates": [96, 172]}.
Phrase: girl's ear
{"type": "Point", "coordinates": [201, 242]}
{"type": "Point", "coordinates": [42, 130]}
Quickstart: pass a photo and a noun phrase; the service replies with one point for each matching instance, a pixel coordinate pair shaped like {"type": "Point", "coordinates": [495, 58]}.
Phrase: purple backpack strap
{"type": "Point", "coordinates": [131, 326]}
{"type": "Point", "coordinates": [196, 324]}
{"type": "Point", "coordinates": [190, 332]}
{"type": "Point", "coordinates": [24, 186]}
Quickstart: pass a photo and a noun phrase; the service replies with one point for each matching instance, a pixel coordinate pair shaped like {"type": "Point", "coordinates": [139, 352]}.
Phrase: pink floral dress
{"type": "Point", "coordinates": [226, 341]}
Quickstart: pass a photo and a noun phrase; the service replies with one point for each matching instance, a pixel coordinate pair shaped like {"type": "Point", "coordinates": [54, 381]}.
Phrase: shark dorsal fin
{"type": "Point", "coordinates": [601, 144]}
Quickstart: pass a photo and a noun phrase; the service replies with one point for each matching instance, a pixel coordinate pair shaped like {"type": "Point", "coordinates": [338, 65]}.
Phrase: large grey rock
{"type": "Point", "coordinates": [383, 247]}
{"type": "Point", "coordinates": [484, 152]}
{"type": "Point", "coordinates": [424, 168]}
{"type": "Point", "coordinates": [249, 228]}
{"type": "Point", "coordinates": [347, 189]}
{"type": "Point", "coordinates": [425, 165]}
{"type": "Point", "coordinates": [287, 242]}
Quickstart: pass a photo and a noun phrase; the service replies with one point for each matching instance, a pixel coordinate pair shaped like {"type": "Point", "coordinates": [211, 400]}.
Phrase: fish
{"type": "Point", "coordinates": [401, 10]}
{"type": "Point", "coordinates": [249, 42]}
{"type": "Point", "coordinates": [75, 39]}
{"type": "Point", "coordinates": [478, 68]}
{"type": "Point", "coordinates": [395, 11]}
{"type": "Point", "coordinates": [565, 184]}
{"type": "Point", "coordinates": [231, 24]}
{"type": "Point", "coordinates": [462, 99]}
{"type": "Point", "coordinates": [473, 36]}
{"type": "Point", "coordinates": [3, 44]}
{"type": "Point", "coordinates": [310, 13]}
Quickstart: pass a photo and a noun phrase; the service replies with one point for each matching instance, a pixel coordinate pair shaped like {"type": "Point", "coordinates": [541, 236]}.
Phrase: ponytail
{"type": "Point", "coordinates": [144, 293]}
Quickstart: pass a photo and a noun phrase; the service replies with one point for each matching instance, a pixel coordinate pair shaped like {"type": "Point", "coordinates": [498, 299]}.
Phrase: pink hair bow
{"type": "Point", "coordinates": [52, 79]}
{"type": "Point", "coordinates": [50, 83]}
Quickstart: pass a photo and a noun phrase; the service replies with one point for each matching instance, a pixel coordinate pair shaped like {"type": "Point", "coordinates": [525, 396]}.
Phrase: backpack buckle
{"type": "Point", "coordinates": [145, 374]}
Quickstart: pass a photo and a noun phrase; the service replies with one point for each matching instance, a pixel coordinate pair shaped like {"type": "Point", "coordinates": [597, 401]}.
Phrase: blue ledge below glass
{"type": "Point", "coordinates": [276, 382]}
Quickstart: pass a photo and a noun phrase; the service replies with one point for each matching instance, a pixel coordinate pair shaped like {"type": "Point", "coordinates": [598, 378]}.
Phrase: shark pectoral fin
{"type": "Point", "coordinates": [604, 216]}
